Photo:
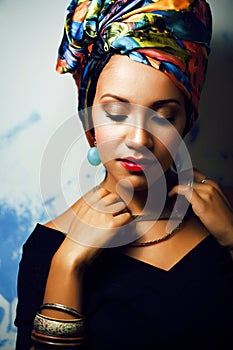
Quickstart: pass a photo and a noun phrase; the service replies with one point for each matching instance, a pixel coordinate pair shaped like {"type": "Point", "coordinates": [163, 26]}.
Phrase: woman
{"type": "Point", "coordinates": [139, 67]}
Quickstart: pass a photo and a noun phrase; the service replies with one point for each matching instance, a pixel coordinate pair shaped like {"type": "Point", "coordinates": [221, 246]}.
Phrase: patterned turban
{"type": "Point", "coordinates": [170, 35]}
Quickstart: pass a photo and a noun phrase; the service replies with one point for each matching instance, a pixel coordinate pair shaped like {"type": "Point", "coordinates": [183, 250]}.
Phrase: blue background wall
{"type": "Point", "coordinates": [37, 116]}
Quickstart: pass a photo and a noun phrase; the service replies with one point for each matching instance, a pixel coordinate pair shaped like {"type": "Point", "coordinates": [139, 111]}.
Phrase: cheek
{"type": "Point", "coordinates": [162, 154]}
{"type": "Point", "coordinates": [104, 133]}
{"type": "Point", "coordinates": [167, 137]}
{"type": "Point", "coordinates": [107, 142]}
{"type": "Point", "coordinates": [165, 147]}
{"type": "Point", "coordinates": [110, 133]}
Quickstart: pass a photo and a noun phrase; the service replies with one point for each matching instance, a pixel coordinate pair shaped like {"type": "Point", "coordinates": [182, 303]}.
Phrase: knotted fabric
{"type": "Point", "coordinates": [170, 35]}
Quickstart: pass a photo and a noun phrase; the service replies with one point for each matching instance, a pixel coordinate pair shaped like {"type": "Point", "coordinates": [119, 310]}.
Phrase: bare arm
{"type": "Point", "coordinates": [64, 283]}
{"type": "Point", "coordinates": [96, 221]}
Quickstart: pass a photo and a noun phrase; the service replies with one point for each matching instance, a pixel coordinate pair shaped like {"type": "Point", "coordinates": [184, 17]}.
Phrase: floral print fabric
{"type": "Point", "coordinates": [172, 36]}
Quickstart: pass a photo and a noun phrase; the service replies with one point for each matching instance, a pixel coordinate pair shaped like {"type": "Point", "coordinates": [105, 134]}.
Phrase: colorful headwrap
{"type": "Point", "coordinates": [170, 35]}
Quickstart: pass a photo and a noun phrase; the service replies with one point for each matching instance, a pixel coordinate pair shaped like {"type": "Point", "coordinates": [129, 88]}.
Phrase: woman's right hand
{"type": "Point", "coordinates": [97, 219]}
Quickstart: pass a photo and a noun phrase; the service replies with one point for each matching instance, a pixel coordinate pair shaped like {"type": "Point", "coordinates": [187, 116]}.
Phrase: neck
{"type": "Point", "coordinates": [147, 200]}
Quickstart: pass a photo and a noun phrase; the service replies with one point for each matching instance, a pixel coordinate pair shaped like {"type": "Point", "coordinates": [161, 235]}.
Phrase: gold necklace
{"type": "Point", "coordinates": [158, 240]}
{"type": "Point", "coordinates": [150, 217]}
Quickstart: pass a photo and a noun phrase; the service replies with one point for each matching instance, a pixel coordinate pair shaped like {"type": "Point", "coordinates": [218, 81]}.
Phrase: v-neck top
{"type": "Point", "coordinates": [130, 304]}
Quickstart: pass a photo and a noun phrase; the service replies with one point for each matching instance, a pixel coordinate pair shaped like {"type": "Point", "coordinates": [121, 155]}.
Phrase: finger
{"type": "Point", "coordinates": [180, 189]}
{"type": "Point", "coordinates": [200, 197]}
{"type": "Point", "coordinates": [208, 184]}
{"type": "Point", "coordinates": [202, 178]}
{"type": "Point", "coordinates": [93, 198]}
{"type": "Point", "coordinates": [95, 194]}
{"type": "Point", "coordinates": [198, 174]}
{"type": "Point", "coordinates": [122, 219]}
{"type": "Point", "coordinates": [108, 203]}
{"type": "Point", "coordinates": [113, 209]}
{"type": "Point", "coordinates": [183, 190]}
{"type": "Point", "coordinates": [197, 201]}
{"type": "Point", "coordinates": [111, 198]}
{"type": "Point", "coordinates": [89, 201]}
{"type": "Point", "coordinates": [100, 193]}
{"type": "Point", "coordinates": [206, 192]}
{"type": "Point", "coordinates": [108, 199]}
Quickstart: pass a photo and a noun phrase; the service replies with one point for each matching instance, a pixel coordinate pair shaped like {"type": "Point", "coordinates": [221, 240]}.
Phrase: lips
{"type": "Point", "coordinates": [135, 164]}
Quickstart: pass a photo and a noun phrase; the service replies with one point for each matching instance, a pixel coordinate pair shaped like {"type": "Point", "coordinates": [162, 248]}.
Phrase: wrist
{"type": "Point", "coordinates": [225, 237]}
{"type": "Point", "coordinates": [229, 238]}
{"type": "Point", "coordinates": [68, 262]}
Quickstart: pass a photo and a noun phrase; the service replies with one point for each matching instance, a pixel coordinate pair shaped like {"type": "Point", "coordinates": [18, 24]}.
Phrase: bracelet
{"type": "Point", "coordinates": [53, 327]}
{"type": "Point", "coordinates": [61, 307]}
{"type": "Point", "coordinates": [57, 341]}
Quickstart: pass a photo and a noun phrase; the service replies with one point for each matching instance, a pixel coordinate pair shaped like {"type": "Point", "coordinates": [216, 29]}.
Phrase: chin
{"type": "Point", "coordinates": [138, 183]}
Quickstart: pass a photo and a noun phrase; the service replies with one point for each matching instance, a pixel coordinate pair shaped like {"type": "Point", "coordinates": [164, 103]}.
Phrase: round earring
{"type": "Point", "coordinates": [93, 155]}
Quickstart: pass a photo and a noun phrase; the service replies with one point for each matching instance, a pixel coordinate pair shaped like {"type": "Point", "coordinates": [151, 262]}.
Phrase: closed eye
{"type": "Point", "coordinates": [116, 117]}
{"type": "Point", "coordinates": [163, 121]}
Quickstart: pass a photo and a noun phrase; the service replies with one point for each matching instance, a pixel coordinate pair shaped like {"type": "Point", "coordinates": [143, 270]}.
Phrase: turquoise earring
{"type": "Point", "coordinates": [93, 155]}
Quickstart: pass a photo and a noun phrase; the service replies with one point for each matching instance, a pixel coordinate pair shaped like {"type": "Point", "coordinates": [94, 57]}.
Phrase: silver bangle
{"type": "Point", "coordinates": [60, 307]}
{"type": "Point", "coordinates": [51, 326]}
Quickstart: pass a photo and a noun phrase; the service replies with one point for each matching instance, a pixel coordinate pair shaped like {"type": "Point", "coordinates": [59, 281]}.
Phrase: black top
{"type": "Point", "coordinates": [130, 304]}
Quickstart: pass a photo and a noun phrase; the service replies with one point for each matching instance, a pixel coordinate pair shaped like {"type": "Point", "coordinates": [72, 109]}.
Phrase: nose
{"type": "Point", "coordinates": [139, 137]}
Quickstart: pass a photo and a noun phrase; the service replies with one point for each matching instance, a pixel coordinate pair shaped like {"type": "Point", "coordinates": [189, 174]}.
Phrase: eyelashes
{"type": "Point", "coordinates": [163, 120]}
{"type": "Point", "coordinates": [157, 120]}
{"type": "Point", "coordinates": [116, 117]}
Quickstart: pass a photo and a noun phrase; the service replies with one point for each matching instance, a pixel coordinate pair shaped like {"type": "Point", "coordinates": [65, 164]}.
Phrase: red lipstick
{"type": "Point", "coordinates": [135, 164]}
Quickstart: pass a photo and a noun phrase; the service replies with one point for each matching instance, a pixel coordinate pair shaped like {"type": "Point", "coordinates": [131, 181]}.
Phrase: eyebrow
{"type": "Point", "coordinates": [162, 103]}
{"type": "Point", "coordinates": [154, 105]}
{"type": "Point", "coordinates": [121, 99]}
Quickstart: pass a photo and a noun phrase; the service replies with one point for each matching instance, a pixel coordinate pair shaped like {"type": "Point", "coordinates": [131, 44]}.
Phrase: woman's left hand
{"type": "Point", "coordinates": [211, 206]}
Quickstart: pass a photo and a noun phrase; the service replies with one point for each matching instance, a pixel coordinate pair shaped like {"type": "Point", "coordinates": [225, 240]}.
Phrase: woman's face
{"type": "Point", "coordinates": [137, 114]}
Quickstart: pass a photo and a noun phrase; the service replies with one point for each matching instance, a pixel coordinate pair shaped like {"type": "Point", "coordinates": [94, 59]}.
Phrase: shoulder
{"type": "Point", "coordinates": [49, 236]}
{"type": "Point", "coordinates": [64, 220]}
{"type": "Point", "coordinates": [42, 239]}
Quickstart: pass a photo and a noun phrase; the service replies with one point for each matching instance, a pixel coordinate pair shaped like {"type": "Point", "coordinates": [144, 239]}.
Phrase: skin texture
{"type": "Point", "coordinates": [137, 122]}
{"type": "Point", "coordinates": [99, 216]}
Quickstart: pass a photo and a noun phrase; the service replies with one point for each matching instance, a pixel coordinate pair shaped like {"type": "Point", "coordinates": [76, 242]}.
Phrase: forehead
{"type": "Point", "coordinates": [135, 82]}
